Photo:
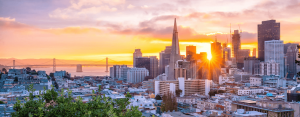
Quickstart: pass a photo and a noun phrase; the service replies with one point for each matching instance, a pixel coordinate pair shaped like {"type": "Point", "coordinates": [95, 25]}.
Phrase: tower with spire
{"type": "Point", "coordinates": [175, 53]}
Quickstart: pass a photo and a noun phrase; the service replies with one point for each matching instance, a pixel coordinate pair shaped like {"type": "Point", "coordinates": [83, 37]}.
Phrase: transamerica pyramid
{"type": "Point", "coordinates": [175, 53]}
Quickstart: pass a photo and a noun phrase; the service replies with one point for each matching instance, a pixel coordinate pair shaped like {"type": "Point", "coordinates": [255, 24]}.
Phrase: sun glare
{"type": "Point", "coordinates": [209, 56]}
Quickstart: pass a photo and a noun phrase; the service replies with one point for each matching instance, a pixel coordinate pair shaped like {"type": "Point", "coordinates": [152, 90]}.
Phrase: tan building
{"type": "Point", "coordinates": [188, 87]}
{"type": "Point", "coordinates": [272, 108]}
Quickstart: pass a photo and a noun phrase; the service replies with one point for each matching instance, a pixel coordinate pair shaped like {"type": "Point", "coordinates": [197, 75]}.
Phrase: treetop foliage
{"type": "Point", "coordinates": [53, 104]}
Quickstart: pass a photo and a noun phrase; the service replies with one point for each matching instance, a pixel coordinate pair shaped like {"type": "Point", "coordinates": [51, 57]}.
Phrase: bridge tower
{"type": "Point", "coordinates": [14, 61]}
{"type": "Point", "coordinates": [54, 65]}
{"type": "Point", "coordinates": [106, 64]}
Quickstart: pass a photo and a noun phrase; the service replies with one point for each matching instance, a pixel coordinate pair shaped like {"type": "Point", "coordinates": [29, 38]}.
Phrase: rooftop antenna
{"type": "Point", "coordinates": [240, 30]}
{"type": "Point", "coordinates": [215, 38]}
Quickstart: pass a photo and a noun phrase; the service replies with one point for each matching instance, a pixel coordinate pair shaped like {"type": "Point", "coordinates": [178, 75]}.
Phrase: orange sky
{"type": "Point", "coordinates": [92, 30]}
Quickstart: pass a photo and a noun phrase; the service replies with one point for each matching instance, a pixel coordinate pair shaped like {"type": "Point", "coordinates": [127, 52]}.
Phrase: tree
{"type": "Point", "coordinates": [157, 97]}
{"type": "Point", "coordinates": [51, 105]}
{"type": "Point", "coordinates": [178, 92]}
{"type": "Point", "coordinates": [28, 70]}
{"type": "Point", "coordinates": [169, 102]}
{"type": "Point", "coordinates": [4, 70]}
{"type": "Point", "coordinates": [16, 79]}
{"type": "Point", "coordinates": [298, 62]}
{"type": "Point", "coordinates": [2, 102]}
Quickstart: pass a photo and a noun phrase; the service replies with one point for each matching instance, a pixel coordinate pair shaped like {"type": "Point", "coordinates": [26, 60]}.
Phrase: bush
{"type": "Point", "coordinates": [2, 102]}
{"type": "Point", "coordinates": [51, 105]}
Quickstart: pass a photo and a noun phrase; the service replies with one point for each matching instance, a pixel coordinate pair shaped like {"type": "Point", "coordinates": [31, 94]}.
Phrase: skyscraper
{"type": "Point", "coordinates": [137, 53]}
{"type": "Point", "coordinates": [175, 53]}
{"type": "Point", "coordinates": [236, 43]}
{"type": "Point", "coordinates": [136, 75]}
{"type": "Point", "coordinates": [164, 59]}
{"type": "Point", "coordinates": [216, 61]}
{"type": "Point", "coordinates": [249, 65]}
{"type": "Point", "coordinates": [190, 52]}
{"type": "Point", "coordinates": [242, 54]}
{"type": "Point", "coordinates": [254, 52]}
{"type": "Point", "coordinates": [268, 30]}
{"type": "Point", "coordinates": [274, 52]}
{"type": "Point", "coordinates": [292, 55]}
{"type": "Point", "coordinates": [150, 63]}
{"type": "Point", "coordinates": [143, 62]}
{"type": "Point", "coordinates": [153, 72]}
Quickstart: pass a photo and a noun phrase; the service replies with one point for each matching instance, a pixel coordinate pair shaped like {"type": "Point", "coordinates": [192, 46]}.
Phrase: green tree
{"type": "Point", "coordinates": [2, 102]}
{"type": "Point", "coordinates": [298, 62]}
{"type": "Point", "coordinates": [178, 92]}
{"type": "Point", "coordinates": [169, 102]}
{"type": "Point", "coordinates": [16, 79]}
{"type": "Point", "coordinates": [157, 97]}
{"type": "Point", "coordinates": [53, 104]}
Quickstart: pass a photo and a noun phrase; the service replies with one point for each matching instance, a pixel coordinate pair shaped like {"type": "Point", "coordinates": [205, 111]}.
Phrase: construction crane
{"type": "Point", "coordinates": [286, 76]}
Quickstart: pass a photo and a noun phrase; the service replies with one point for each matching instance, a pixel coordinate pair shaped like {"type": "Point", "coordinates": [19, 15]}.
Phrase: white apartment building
{"type": "Point", "coordinates": [225, 78]}
{"type": "Point", "coordinates": [269, 68]}
{"type": "Point", "coordinates": [206, 104]}
{"type": "Point", "coordinates": [250, 91]}
{"type": "Point", "coordinates": [274, 50]}
{"type": "Point", "coordinates": [227, 105]}
{"type": "Point", "coordinates": [136, 75]}
{"type": "Point", "coordinates": [255, 81]}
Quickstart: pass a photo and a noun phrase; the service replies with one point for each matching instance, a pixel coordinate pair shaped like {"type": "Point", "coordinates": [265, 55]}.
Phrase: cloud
{"type": "Point", "coordinates": [85, 8]}
{"type": "Point", "coordinates": [130, 6]}
{"type": "Point", "coordinates": [7, 19]}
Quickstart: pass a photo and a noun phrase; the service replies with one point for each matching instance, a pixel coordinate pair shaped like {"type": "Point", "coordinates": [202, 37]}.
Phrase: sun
{"type": "Point", "coordinates": [209, 56]}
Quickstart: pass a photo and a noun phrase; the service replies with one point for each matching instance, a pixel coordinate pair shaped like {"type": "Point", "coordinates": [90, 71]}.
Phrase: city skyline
{"type": "Point", "coordinates": [89, 30]}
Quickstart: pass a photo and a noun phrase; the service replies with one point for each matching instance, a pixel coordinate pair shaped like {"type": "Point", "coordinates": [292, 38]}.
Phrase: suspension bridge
{"type": "Point", "coordinates": [55, 62]}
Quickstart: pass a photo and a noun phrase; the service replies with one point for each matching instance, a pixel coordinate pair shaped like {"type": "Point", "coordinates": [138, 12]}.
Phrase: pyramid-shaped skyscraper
{"type": "Point", "coordinates": [175, 53]}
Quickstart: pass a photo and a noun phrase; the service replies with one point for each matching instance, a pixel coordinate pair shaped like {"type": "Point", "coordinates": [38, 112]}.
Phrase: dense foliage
{"type": "Point", "coordinates": [52, 105]}
{"type": "Point", "coordinates": [157, 97]}
{"type": "Point", "coordinates": [169, 102]}
{"type": "Point", "coordinates": [2, 102]}
{"type": "Point", "coordinates": [298, 62]}
{"type": "Point", "coordinates": [178, 92]}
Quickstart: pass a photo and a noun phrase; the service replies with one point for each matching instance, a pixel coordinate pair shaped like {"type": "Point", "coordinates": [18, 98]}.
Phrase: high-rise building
{"type": "Point", "coordinates": [150, 63]}
{"type": "Point", "coordinates": [274, 51]}
{"type": "Point", "coordinates": [268, 30]}
{"type": "Point", "coordinates": [153, 72]}
{"type": "Point", "coordinates": [216, 61]}
{"type": "Point", "coordinates": [119, 71]}
{"type": "Point", "coordinates": [236, 43]}
{"type": "Point", "coordinates": [226, 54]}
{"type": "Point", "coordinates": [164, 59]}
{"type": "Point", "coordinates": [143, 62]}
{"type": "Point", "coordinates": [188, 87]}
{"type": "Point", "coordinates": [175, 53]}
{"type": "Point", "coordinates": [249, 65]}
{"type": "Point", "coordinates": [190, 52]}
{"type": "Point", "coordinates": [122, 72]}
{"type": "Point", "coordinates": [287, 45]}
{"type": "Point", "coordinates": [216, 50]}
{"type": "Point", "coordinates": [113, 71]}
{"type": "Point", "coordinates": [254, 52]}
{"type": "Point", "coordinates": [269, 68]}
{"type": "Point", "coordinates": [242, 54]}
{"type": "Point", "coordinates": [137, 53]}
{"type": "Point", "coordinates": [183, 69]}
{"type": "Point", "coordinates": [291, 56]}
{"type": "Point", "coordinates": [137, 75]}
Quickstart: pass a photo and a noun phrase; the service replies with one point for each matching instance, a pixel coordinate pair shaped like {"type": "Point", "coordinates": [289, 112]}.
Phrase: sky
{"type": "Point", "coordinates": [90, 30]}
